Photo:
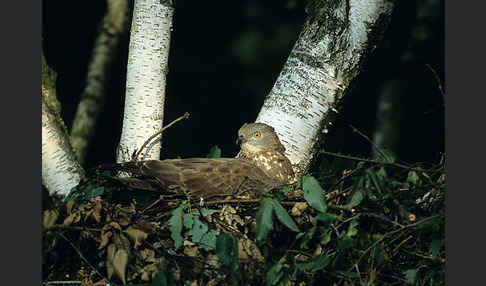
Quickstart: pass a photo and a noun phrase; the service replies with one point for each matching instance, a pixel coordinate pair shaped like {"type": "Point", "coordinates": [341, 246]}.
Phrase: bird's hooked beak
{"type": "Point", "coordinates": [239, 140]}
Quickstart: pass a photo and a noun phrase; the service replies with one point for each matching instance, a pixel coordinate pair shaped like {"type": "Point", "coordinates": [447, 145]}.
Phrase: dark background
{"type": "Point", "coordinates": [225, 57]}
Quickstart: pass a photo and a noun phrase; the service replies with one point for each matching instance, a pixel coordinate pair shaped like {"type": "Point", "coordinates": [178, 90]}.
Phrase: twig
{"type": "Point", "coordinates": [371, 142]}
{"type": "Point", "coordinates": [391, 233]}
{"type": "Point", "coordinates": [383, 218]}
{"type": "Point", "coordinates": [60, 226]}
{"type": "Point", "coordinates": [231, 201]}
{"type": "Point", "coordinates": [398, 165]}
{"type": "Point", "coordinates": [401, 243]}
{"type": "Point", "coordinates": [185, 116]}
{"type": "Point", "coordinates": [441, 90]}
{"type": "Point", "coordinates": [152, 204]}
{"type": "Point", "coordinates": [436, 78]}
{"type": "Point", "coordinates": [82, 256]}
{"type": "Point", "coordinates": [61, 282]}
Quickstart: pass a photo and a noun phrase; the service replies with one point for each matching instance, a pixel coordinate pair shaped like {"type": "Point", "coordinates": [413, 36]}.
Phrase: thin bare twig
{"type": "Point", "coordinates": [62, 282]}
{"type": "Point", "coordinates": [441, 90]}
{"type": "Point", "coordinates": [82, 256]}
{"type": "Point", "coordinates": [391, 233]}
{"type": "Point", "coordinates": [398, 165]}
{"type": "Point", "coordinates": [371, 142]}
{"type": "Point", "coordinates": [185, 116]}
{"type": "Point", "coordinates": [60, 226]}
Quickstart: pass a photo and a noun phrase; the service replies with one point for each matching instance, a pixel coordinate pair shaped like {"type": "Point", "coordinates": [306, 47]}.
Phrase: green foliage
{"type": "Point", "coordinates": [318, 263]}
{"type": "Point", "coordinates": [85, 192]}
{"type": "Point", "coordinates": [355, 199]}
{"type": "Point", "coordinates": [227, 251]}
{"type": "Point", "coordinates": [214, 152]}
{"type": "Point", "coordinates": [198, 231]}
{"type": "Point", "coordinates": [264, 218]}
{"type": "Point", "coordinates": [205, 212]}
{"type": "Point", "coordinates": [371, 223]}
{"type": "Point", "coordinates": [160, 279]}
{"type": "Point", "coordinates": [275, 273]}
{"type": "Point", "coordinates": [313, 193]}
{"type": "Point", "coordinates": [175, 223]}
{"type": "Point", "coordinates": [411, 276]}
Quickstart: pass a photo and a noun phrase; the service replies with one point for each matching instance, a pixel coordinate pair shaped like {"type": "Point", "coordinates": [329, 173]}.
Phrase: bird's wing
{"type": "Point", "coordinates": [204, 177]}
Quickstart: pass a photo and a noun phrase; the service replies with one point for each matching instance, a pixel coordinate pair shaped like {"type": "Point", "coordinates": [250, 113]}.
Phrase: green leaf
{"type": "Point", "coordinates": [214, 152]}
{"type": "Point", "coordinates": [307, 237]}
{"type": "Point", "coordinates": [264, 220]}
{"type": "Point", "coordinates": [433, 224]}
{"type": "Point", "coordinates": [188, 220]}
{"type": "Point", "coordinates": [345, 243]}
{"type": "Point", "coordinates": [73, 194]}
{"type": "Point", "coordinates": [435, 246]}
{"type": "Point", "coordinates": [208, 241]}
{"type": "Point", "coordinates": [413, 177]}
{"type": "Point", "coordinates": [411, 275]}
{"type": "Point", "coordinates": [319, 262]}
{"type": "Point", "coordinates": [227, 250]}
{"type": "Point", "coordinates": [274, 273]}
{"type": "Point", "coordinates": [299, 235]}
{"type": "Point", "coordinates": [352, 229]}
{"type": "Point", "coordinates": [325, 238]}
{"type": "Point", "coordinates": [326, 218]}
{"type": "Point", "coordinates": [94, 192]}
{"type": "Point", "coordinates": [160, 279]}
{"type": "Point", "coordinates": [175, 223]}
{"type": "Point", "coordinates": [355, 199]}
{"type": "Point", "coordinates": [314, 194]}
{"type": "Point", "coordinates": [205, 212]}
{"type": "Point", "coordinates": [283, 216]}
{"type": "Point", "coordinates": [224, 248]}
{"type": "Point", "coordinates": [198, 230]}
{"type": "Point", "coordinates": [381, 174]}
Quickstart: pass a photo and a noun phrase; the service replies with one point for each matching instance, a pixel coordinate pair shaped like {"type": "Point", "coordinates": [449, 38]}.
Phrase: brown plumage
{"type": "Point", "coordinates": [260, 166]}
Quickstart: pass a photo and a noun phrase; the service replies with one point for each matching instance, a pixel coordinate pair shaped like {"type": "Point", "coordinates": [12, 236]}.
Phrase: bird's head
{"type": "Point", "coordinates": [258, 137]}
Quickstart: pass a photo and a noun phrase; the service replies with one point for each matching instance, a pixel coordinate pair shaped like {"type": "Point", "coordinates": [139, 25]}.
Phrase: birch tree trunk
{"type": "Point", "coordinates": [60, 170]}
{"type": "Point", "coordinates": [146, 76]}
{"type": "Point", "coordinates": [335, 39]}
{"type": "Point", "coordinates": [389, 114]}
{"type": "Point", "coordinates": [113, 26]}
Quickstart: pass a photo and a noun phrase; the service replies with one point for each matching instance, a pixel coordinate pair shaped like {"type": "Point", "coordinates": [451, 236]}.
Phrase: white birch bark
{"type": "Point", "coordinates": [335, 39]}
{"type": "Point", "coordinates": [60, 169]}
{"type": "Point", "coordinates": [113, 26]}
{"type": "Point", "coordinates": [146, 76]}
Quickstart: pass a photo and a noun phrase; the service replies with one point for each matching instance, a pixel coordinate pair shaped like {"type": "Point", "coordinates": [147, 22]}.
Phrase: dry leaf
{"type": "Point", "coordinates": [110, 253]}
{"type": "Point", "coordinates": [372, 276]}
{"type": "Point", "coordinates": [120, 261]}
{"type": "Point", "coordinates": [49, 217]}
{"type": "Point", "coordinates": [298, 208]}
{"type": "Point", "coordinates": [242, 255]}
{"type": "Point", "coordinates": [105, 238]}
{"type": "Point", "coordinates": [318, 249]}
{"type": "Point", "coordinates": [69, 206]}
{"type": "Point", "coordinates": [87, 282]}
{"type": "Point", "coordinates": [191, 251]}
{"type": "Point", "coordinates": [136, 235]}
{"type": "Point", "coordinates": [72, 218]}
{"type": "Point", "coordinates": [96, 214]}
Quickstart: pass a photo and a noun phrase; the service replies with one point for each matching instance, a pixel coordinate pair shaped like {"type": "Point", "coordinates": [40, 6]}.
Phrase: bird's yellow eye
{"type": "Point", "coordinates": [257, 134]}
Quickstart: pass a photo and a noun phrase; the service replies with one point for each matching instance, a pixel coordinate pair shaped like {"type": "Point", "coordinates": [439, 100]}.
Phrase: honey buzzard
{"type": "Point", "coordinates": [260, 166]}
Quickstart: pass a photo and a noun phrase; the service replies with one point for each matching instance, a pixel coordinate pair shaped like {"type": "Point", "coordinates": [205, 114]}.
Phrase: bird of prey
{"type": "Point", "coordinates": [260, 166]}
